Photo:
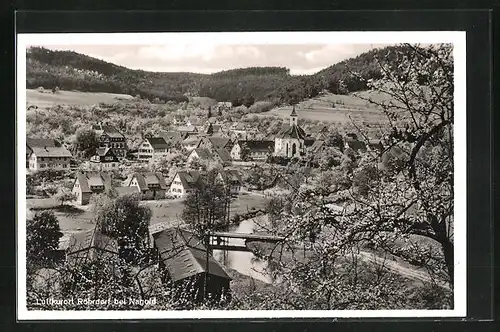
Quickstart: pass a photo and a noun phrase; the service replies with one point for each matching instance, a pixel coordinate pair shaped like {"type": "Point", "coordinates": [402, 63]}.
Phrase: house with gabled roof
{"type": "Point", "coordinates": [215, 155]}
{"type": "Point", "coordinates": [88, 183]}
{"type": "Point", "coordinates": [152, 148]}
{"type": "Point", "coordinates": [230, 179]}
{"type": "Point", "coordinates": [184, 182]}
{"type": "Point", "coordinates": [110, 137]}
{"type": "Point", "coordinates": [199, 154]}
{"type": "Point", "coordinates": [173, 137]}
{"type": "Point", "coordinates": [191, 142]}
{"type": "Point", "coordinates": [215, 143]}
{"type": "Point", "coordinates": [48, 157]}
{"type": "Point", "coordinates": [151, 185]}
{"type": "Point", "coordinates": [257, 149]}
{"type": "Point", "coordinates": [38, 142]}
{"type": "Point", "coordinates": [104, 160]}
{"type": "Point", "coordinates": [183, 259]}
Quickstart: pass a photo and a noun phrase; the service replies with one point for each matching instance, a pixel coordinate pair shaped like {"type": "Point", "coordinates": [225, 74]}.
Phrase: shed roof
{"type": "Point", "coordinates": [184, 255]}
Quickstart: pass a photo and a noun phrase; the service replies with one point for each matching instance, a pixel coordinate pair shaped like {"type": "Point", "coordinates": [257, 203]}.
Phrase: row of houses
{"type": "Point", "coordinates": [149, 185]}
{"type": "Point", "coordinates": [210, 144]}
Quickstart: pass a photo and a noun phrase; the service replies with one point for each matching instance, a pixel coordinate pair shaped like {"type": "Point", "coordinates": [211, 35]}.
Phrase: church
{"type": "Point", "coordinates": [290, 141]}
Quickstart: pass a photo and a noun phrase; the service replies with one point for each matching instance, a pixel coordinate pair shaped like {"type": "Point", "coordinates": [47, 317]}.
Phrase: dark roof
{"type": "Point", "coordinates": [293, 112]}
{"type": "Point", "coordinates": [231, 175]}
{"type": "Point", "coordinates": [258, 145]}
{"type": "Point", "coordinates": [184, 255]}
{"type": "Point", "coordinates": [292, 131]}
{"type": "Point", "coordinates": [147, 179]}
{"type": "Point", "coordinates": [223, 154]}
{"type": "Point", "coordinates": [91, 239]}
{"type": "Point", "coordinates": [355, 144]}
{"type": "Point", "coordinates": [219, 142]}
{"type": "Point", "coordinates": [309, 141]}
{"type": "Point", "coordinates": [202, 153]}
{"type": "Point", "coordinates": [157, 142]}
{"type": "Point", "coordinates": [51, 151]}
{"type": "Point", "coordinates": [317, 145]}
{"type": "Point", "coordinates": [42, 142]}
{"type": "Point", "coordinates": [173, 136]}
{"type": "Point", "coordinates": [93, 178]}
{"type": "Point", "coordinates": [189, 179]}
{"type": "Point", "coordinates": [101, 152]}
{"type": "Point", "coordinates": [107, 130]}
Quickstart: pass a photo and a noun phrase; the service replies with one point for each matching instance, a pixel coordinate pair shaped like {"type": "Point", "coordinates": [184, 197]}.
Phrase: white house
{"type": "Point", "coordinates": [49, 157]}
{"type": "Point", "coordinates": [184, 182]}
{"type": "Point", "coordinates": [151, 148]}
{"type": "Point", "coordinates": [89, 183]}
{"type": "Point", "coordinates": [231, 180]}
{"type": "Point", "coordinates": [151, 185]}
{"type": "Point", "coordinates": [104, 160]}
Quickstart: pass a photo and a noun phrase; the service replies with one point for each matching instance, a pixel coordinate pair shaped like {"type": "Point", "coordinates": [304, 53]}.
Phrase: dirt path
{"type": "Point", "coordinates": [410, 273]}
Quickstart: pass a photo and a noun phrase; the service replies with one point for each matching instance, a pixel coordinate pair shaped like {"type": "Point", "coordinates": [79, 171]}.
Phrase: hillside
{"type": "Point", "coordinates": [46, 99]}
{"type": "Point", "coordinates": [73, 71]}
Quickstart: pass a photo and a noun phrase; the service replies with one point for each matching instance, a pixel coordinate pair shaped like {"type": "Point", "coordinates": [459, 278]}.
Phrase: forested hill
{"type": "Point", "coordinates": [73, 71]}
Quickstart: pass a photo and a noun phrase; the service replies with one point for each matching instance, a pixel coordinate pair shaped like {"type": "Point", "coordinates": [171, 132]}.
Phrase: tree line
{"type": "Point", "coordinates": [72, 71]}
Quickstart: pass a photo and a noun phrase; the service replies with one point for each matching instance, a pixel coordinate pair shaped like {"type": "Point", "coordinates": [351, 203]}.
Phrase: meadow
{"type": "Point", "coordinates": [334, 108]}
{"type": "Point", "coordinates": [168, 211]}
{"type": "Point", "coordinates": [47, 99]}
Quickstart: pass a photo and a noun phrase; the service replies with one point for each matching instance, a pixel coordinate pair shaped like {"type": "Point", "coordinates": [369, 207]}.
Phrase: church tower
{"type": "Point", "coordinates": [290, 141]}
{"type": "Point", "coordinates": [293, 117]}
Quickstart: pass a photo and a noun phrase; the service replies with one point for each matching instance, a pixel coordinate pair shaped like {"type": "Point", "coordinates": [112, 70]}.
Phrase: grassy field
{"type": "Point", "coordinates": [168, 211]}
{"type": "Point", "coordinates": [48, 99]}
{"type": "Point", "coordinates": [334, 108]}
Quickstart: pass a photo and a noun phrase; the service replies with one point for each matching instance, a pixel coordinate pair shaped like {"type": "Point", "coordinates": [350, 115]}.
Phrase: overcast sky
{"type": "Point", "coordinates": [207, 58]}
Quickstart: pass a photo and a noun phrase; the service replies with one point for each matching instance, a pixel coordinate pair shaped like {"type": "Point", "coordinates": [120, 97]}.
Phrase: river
{"type": "Point", "coordinates": [243, 262]}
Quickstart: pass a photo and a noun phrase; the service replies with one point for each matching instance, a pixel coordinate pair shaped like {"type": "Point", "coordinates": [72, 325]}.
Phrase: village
{"type": "Point", "coordinates": [242, 189]}
{"type": "Point", "coordinates": [215, 143]}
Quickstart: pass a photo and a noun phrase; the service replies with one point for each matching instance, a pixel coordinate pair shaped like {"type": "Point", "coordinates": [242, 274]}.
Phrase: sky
{"type": "Point", "coordinates": [209, 58]}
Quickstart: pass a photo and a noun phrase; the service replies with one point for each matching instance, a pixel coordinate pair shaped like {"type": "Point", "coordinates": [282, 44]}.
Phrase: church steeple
{"type": "Point", "coordinates": [293, 117]}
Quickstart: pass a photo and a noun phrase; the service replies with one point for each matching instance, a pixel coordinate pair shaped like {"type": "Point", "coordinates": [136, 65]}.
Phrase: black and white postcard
{"type": "Point", "coordinates": [241, 175]}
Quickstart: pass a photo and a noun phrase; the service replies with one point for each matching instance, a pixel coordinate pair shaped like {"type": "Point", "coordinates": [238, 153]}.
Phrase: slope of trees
{"type": "Point", "coordinates": [72, 71]}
